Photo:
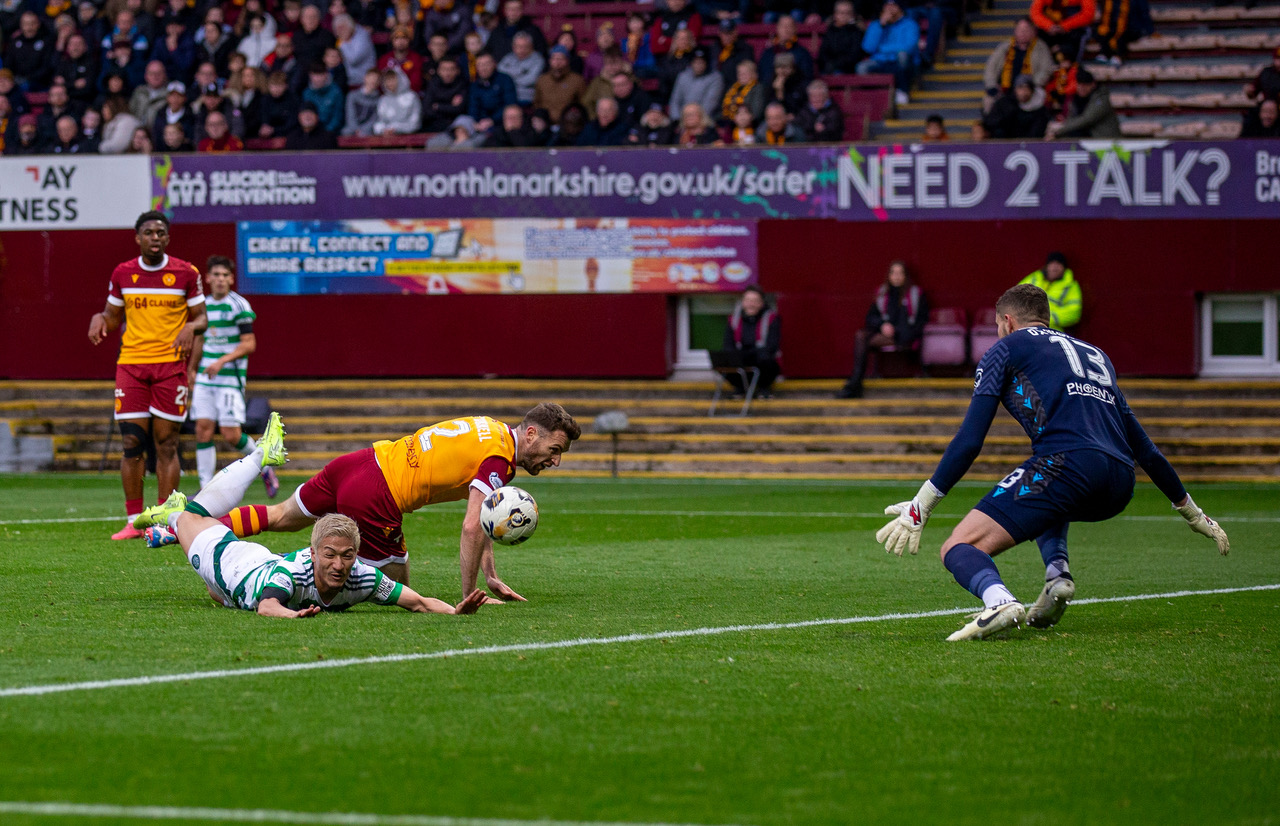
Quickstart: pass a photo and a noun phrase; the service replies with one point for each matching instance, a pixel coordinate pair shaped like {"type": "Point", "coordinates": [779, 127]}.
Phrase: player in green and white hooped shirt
{"type": "Point", "coordinates": [239, 574]}
{"type": "Point", "coordinates": [218, 368]}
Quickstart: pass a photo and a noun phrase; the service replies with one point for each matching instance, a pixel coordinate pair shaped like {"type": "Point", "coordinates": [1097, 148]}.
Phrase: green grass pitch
{"type": "Point", "coordinates": [1149, 711]}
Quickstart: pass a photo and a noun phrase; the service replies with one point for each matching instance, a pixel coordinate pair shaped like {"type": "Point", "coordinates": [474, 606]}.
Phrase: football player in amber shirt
{"type": "Point", "coordinates": [464, 458]}
{"type": "Point", "coordinates": [160, 301]}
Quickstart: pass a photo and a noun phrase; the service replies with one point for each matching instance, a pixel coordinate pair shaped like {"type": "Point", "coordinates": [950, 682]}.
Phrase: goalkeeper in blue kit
{"type": "Point", "coordinates": [1085, 441]}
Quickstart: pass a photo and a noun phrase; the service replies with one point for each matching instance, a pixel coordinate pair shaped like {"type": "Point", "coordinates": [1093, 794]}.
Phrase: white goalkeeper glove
{"type": "Point", "coordinates": [904, 532]}
{"type": "Point", "coordinates": [1200, 522]}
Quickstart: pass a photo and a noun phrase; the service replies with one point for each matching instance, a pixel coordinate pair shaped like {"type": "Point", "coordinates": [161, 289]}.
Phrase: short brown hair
{"type": "Point", "coordinates": [335, 524]}
{"type": "Point", "coordinates": [1026, 302]}
{"type": "Point", "coordinates": [220, 261]}
{"type": "Point", "coordinates": [552, 418]}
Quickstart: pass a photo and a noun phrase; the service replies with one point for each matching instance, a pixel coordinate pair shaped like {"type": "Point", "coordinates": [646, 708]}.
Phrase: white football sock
{"type": "Point", "coordinates": [206, 463]}
{"type": "Point", "coordinates": [228, 487]}
{"type": "Point", "coordinates": [997, 595]}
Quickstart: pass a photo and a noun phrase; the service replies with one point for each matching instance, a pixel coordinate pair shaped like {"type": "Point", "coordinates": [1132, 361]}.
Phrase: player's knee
{"type": "Point", "coordinates": [204, 430]}
{"type": "Point", "coordinates": [133, 439]}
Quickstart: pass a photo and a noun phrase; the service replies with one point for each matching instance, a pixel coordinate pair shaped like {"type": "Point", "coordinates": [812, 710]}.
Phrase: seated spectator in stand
{"type": "Point", "coordinates": [90, 23]}
{"type": "Point", "coordinates": [174, 139]}
{"type": "Point", "coordinates": [777, 128]}
{"type": "Point", "coordinates": [601, 86]}
{"type": "Point", "coordinates": [540, 125]}
{"type": "Point", "coordinates": [403, 58]}
{"type": "Point", "coordinates": [1064, 23]}
{"type": "Point", "coordinates": [786, 41]}
{"type": "Point", "coordinates": [696, 127]}
{"type": "Point", "coordinates": [745, 93]}
{"type": "Point", "coordinates": [721, 11]}
{"type": "Point", "coordinates": [1267, 83]}
{"type": "Point", "coordinates": [635, 46]}
{"type": "Point", "coordinates": [114, 84]}
{"type": "Point", "coordinates": [895, 321]}
{"type": "Point", "coordinates": [697, 84]}
{"type": "Point", "coordinates": [841, 48]}
{"type": "Point", "coordinates": [777, 9]}
{"type": "Point", "coordinates": [606, 42]}
{"type": "Point", "coordinates": [1260, 122]}
{"type": "Point", "coordinates": [1021, 114]}
{"type": "Point", "coordinates": [447, 19]}
{"type": "Point", "coordinates": [121, 59]}
{"type": "Point", "coordinates": [399, 109]}
{"type": "Point", "coordinates": [311, 133]}
{"type": "Point", "coordinates": [118, 126]}
{"type": "Point", "coordinates": [148, 99]}
{"type": "Point", "coordinates": [31, 55]}
{"type": "Point", "coordinates": [27, 141]}
{"type": "Point", "coordinates": [205, 77]}
{"type": "Point", "coordinates": [437, 50]}
{"type": "Point", "coordinates": [787, 87]}
{"type": "Point", "coordinates": [513, 131]}
{"type": "Point", "coordinates": [934, 129]}
{"type": "Point", "coordinates": [557, 88]}
{"type": "Point", "coordinates": [1024, 54]}
{"type": "Point", "coordinates": [755, 331]}
{"type": "Point", "coordinates": [215, 47]}
{"type": "Point", "coordinates": [732, 51]}
{"type": "Point", "coordinates": [820, 120]}
{"type": "Point", "coordinates": [175, 111]}
{"type": "Point", "coordinates": [326, 97]}
{"type": "Point", "coordinates": [337, 71]}
{"type": "Point", "coordinates": [66, 140]}
{"type": "Point", "coordinates": [1061, 88]}
{"type": "Point", "coordinates": [10, 91]}
{"type": "Point", "coordinates": [675, 61]}
{"type": "Point", "coordinates": [217, 135]}
{"type": "Point", "coordinates": [259, 42]}
{"type": "Point", "coordinates": [978, 131]}
{"type": "Point", "coordinates": [310, 39]}
{"type": "Point", "coordinates": [678, 15]}
{"type": "Point", "coordinates": [514, 21]}
{"type": "Point", "coordinates": [1056, 279]}
{"type": "Point", "coordinates": [282, 59]}
{"type": "Point", "coordinates": [8, 122]}
{"type": "Point", "coordinates": [937, 16]}
{"type": "Point", "coordinates": [523, 65]}
{"type": "Point", "coordinates": [244, 93]}
{"type": "Point", "coordinates": [445, 97]}
{"type": "Point", "coordinates": [568, 41]}
{"type": "Point", "coordinates": [654, 129]}
{"type": "Point", "coordinates": [892, 41]}
{"type": "Point", "coordinates": [210, 101]}
{"type": "Point", "coordinates": [461, 135]}
{"type": "Point", "coordinates": [743, 131]}
{"type": "Point", "coordinates": [56, 105]}
{"type": "Point", "coordinates": [1090, 114]}
{"type": "Point", "coordinates": [90, 130]}
{"type": "Point", "coordinates": [362, 107]}
{"type": "Point", "coordinates": [608, 129]}
{"type": "Point", "coordinates": [279, 108]}
{"type": "Point", "coordinates": [78, 69]}
{"type": "Point", "coordinates": [141, 143]}
{"type": "Point", "coordinates": [573, 122]}
{"type": "Point", "coordinates": [489, 93]}
{"type": "Point", "coordinates": [473, 46]}
{"type": "Point", "coordinates": [356, 47]}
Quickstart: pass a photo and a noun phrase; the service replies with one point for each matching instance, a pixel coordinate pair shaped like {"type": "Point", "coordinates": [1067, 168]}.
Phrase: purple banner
{"type": "Point", "coordinates": [1085, 179]}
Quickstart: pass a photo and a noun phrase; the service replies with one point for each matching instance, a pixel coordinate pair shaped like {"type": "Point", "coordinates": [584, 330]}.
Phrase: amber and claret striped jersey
{"type": "Point", "coordinates": [439, 463]}
{"type": "Point", "coordinates": [155, 302]}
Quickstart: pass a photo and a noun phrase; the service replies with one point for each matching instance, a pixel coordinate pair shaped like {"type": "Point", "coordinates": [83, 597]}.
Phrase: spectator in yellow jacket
{"type": "Point", "coordinates": [1056, 279]}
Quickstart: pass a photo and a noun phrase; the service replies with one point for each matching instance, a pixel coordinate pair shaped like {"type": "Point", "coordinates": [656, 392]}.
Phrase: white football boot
{"type": "Point", "coordinates": [1051, 604]}
{"type": "Point", "coordinates": [991, 621]}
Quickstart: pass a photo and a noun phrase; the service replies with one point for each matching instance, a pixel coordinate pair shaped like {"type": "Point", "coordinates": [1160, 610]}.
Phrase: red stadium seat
{"type": "Point", "coordinates": [983, 333]}
{"type": "Point", "coordinates": [944, 338]}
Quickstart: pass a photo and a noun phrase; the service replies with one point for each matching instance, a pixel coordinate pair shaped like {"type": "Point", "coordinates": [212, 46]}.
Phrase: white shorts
{"type": "Point", "coordinates": [224, 405]}
{"type": "Point", "coordinates": [224, 571]}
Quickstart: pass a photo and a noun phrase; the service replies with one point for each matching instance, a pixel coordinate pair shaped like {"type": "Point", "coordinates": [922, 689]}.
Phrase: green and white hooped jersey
{"type": "Point", "coordinates": [294, 575]}
{"type": "Point", "coordinates": [226, 316]}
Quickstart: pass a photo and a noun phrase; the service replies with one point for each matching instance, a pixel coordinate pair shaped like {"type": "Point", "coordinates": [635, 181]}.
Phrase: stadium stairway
{"type": "Point", "coordinates": [1212, 430]}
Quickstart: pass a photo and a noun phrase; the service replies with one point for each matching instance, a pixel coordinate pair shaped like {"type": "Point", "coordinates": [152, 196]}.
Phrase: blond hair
{"type": "Point", "coordinates": [335, 524]}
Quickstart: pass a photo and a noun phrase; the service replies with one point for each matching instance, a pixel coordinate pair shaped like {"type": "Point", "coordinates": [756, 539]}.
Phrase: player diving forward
{"type": "Point", "coordinates": [1084, 440]}
{"type": "Point", "coordinates": [238, 574]}
{"type": "Point", "coordinates": [466, 458]}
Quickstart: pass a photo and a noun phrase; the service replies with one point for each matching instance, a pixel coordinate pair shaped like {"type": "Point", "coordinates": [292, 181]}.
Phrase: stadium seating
{"type": "Point", "coordinates": [945, 338]}
{"type": "Point", "coordinates": [983, 334]}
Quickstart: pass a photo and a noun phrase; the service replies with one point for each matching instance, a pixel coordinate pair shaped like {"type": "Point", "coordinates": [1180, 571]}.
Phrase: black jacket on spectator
{"type": "Point", "coordinates": [47, 122]}
{"type": "Point", "coordinates": [499, 44]}
{"type": "Point", "coordinates": [831, 118]}
{"type": "Point", "coordinates": [1253, 127]}
{"type": "Point", "coordinates": [841, 50]}
{"type": "Point", "coordinates": [524, 136]}
{"type": "Point", "coordinates": [85, 71]}
{"type": "Point", "coordinates": [318, 138]}
{"type": "Point", "coordinates": [368, 13]}
{"type": "Point", "coordinates": [247, 117]}
{"type": "Point", "coordinates": [438, 108]}
{"type": "Point", "coordinates": [31, 59]}
{"type": "Point", "coordinates": [727, 65]}
{"type": "Point", "coordinates": [17, 147]}
{"type": "Point", "coordinates": [188, 122]}
{"type": "Point", "coordinates": [18, 103]}
{"type": "Point", "coordinates": [309, 48]}
{"type": "Point", "coordinates": [1009, 120]}
{"type": "Point", "coordinates": [897, 312]}
{"type": "Point", "coordinates": [453, 24]}
{"type": "Point", "coordinates": [633, 106]}
{"type": "Point", "coordinates": [642, 136]}
{"type": "Point", "coordinates": [218, 56]}
{"type": "Point", "coordinates": [75, 147]}
{"type": "Point", "coordinates": [613, 135]}
{"type": "Point", "coordinates": [281, 113]}
{"type": "Point", "coordinates": [1267, 83]}
{"type": "Point", "coordinates": [793, 94]}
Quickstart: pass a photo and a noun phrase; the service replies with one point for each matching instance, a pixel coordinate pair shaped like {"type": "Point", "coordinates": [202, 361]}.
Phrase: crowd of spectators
{"type": "Point", "coordinates": [117, 76]}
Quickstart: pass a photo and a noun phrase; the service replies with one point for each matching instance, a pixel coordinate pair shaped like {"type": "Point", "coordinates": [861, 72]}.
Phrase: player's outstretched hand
{"type": "Point", "coordinates": [503, 592]}
{"type": "Point", "coordinates": [309, 611]}
{"type": "Point", "coordinates": [1200, 522]}
{"type": "Point", "coordinates": [903, 533]}
{"type": "Point", "coordinates": [472, 603]}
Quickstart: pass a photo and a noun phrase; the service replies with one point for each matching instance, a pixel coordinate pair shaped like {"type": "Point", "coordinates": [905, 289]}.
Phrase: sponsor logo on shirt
{"type": "Point", "coordinates": [1075, 388]}
{"type": "Point", "coordinates": [385, 586]}
{"type": "Point", "coordinates": [495, 480]}
{"type": "Point", "coordinates": [977, 378]}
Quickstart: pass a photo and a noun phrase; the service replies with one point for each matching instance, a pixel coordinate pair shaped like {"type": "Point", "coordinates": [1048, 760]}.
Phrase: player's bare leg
{"type": "Point", "coordinates": [399, 571]}
{"type": "Point", "coordinates": [967, 555]}
{"type": "Point", "coordinates": [165, 435]}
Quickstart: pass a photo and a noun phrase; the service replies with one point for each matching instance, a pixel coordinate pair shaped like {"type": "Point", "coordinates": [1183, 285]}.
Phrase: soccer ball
{"type": "Point", "coordinates": [509, 516]}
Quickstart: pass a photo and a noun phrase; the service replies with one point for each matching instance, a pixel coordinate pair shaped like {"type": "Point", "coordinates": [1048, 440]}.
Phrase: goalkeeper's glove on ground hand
{"type": "Point", "coordinates": [1199, 522]}
{"type": "Point", "coordinates": [903, 533]}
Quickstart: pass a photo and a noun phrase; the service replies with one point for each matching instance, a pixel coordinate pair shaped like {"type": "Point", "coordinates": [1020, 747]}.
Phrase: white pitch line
{"type": "Point", "coordinates": [275, 816]}
{"type": "Point", "coordinates": [580, 642]}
